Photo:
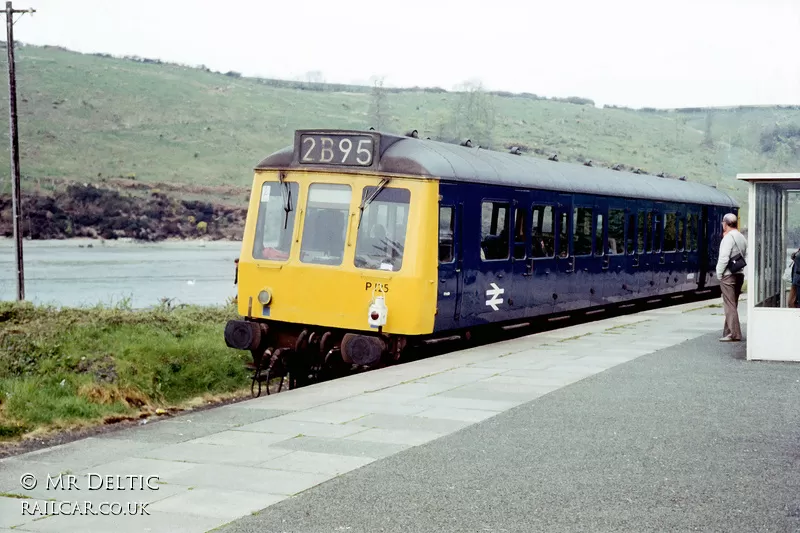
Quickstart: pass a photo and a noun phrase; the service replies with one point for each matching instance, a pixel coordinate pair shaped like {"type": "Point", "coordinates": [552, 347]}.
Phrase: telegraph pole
{"type": "Point", "coordinates": [14, 138]}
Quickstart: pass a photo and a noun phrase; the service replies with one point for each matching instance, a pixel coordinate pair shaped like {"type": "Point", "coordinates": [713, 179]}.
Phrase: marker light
{"type": "Point", "coordinates": [377, 313]}
{"type": "Point", "coordinates": [264, 297]}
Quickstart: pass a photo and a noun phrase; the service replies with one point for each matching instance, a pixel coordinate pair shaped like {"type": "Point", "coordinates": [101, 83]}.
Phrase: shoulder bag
{"type": "Point", "coordinates": [736, 262]}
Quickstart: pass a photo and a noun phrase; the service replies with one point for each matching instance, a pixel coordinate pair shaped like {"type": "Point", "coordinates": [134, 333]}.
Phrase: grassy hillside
{"type": "Point", "coordinates": [90, 118]}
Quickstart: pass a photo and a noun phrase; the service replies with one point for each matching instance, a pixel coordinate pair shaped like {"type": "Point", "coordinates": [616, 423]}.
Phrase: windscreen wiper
{"type": "Point", "coordinates": [365, 202]}
{"type": "Point", "coordinates": [286, 197]}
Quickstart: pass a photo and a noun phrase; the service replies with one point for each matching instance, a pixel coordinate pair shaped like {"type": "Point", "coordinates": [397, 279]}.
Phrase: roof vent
{"type": "Point", "coordinates": [588, 163]}
{"type": "Point", "coordinates": [661, 175]}
{"type": "Point", "coordinates": [617, 167]}
{"type": "Point", "coordinates": [413, 134]}
{"type": "Point", "coordinates": [467, 143]}
{"type": "Point", "coordinates": [682, 178]}
{"type": "Point", "coordinates": [639, 171]}
{"type": "Point", "coordinates": [515, 150]}
{"type": "Point", "coordinates": [553, 157]}
{"type": "Point", "coordinates": [372, 128]}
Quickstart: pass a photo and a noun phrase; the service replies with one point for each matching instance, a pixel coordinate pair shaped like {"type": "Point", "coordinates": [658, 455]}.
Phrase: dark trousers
{"type": "Point", "coordinates": [731, 290]}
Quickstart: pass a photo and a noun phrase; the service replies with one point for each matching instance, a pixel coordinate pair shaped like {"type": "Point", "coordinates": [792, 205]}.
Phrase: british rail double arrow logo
{"type": "Point", "coordinates": [494, 296]}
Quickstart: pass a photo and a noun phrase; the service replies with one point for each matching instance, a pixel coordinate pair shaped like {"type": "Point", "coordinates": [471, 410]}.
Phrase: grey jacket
{"type": "Point", "coordinates": [732, 244]}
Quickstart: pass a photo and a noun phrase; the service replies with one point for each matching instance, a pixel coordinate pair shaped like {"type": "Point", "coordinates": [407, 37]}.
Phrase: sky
{"type": "Point", "coordinates": [636, 53]}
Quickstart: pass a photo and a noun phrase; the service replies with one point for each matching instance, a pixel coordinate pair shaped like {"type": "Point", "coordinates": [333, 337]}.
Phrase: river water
{"type": "Point", "coordinates": [70, 273]}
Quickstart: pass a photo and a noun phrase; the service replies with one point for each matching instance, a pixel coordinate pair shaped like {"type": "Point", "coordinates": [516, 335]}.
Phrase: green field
{"type": "Point", "coordinates": [90, 118]}
{"type": "Point", "coordinates": [67, 368]}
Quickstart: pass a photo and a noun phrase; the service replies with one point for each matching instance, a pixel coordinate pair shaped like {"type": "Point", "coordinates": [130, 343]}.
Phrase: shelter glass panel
{"type": "Point", "coordinates": [679, 235]}
{"type": "Point", "coordinates": [770, 253]}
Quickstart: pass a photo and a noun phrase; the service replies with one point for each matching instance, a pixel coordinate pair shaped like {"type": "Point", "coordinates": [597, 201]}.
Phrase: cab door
{"type": "Point", "coordinates": [448, 307]}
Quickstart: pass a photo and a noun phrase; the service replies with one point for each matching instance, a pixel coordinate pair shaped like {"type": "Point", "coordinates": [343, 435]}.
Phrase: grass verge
{"type": "Point", "coordinates": [63, 368]}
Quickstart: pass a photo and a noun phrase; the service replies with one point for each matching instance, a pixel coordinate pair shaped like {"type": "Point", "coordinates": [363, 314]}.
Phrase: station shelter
{"type": "Point", "coordinates": [773, 328]}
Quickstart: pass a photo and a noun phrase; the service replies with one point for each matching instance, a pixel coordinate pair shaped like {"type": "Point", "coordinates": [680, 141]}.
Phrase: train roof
{"type": "Point", "coordinates": [410, 156]}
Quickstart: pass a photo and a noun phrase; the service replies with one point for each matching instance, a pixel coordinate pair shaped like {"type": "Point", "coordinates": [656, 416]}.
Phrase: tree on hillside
{"type": "Point", "coordinates": [708, 139]}
{"type": "Point", "coordinates": [378, 106]}
{"type": "Point", "coordinates": [473, 115]}
{"type": "Point", "coordinates": [314, 76]}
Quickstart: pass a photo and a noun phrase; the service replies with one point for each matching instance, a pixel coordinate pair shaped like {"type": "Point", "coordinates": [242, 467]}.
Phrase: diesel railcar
{"type": "Point", "coordinates": [359, 243]}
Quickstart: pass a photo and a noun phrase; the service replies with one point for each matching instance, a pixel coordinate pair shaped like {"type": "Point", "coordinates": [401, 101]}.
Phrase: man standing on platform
{"type": "Point", "coordinates": [733, 243]}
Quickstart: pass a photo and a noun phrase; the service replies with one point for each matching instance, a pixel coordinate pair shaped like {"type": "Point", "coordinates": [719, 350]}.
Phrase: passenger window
{"type": "Point", "coordinates": [641, 227]}
{"type": "Point", "coordinates": [658, 234]}
{"type": "Point", "coordinates": [275, 224]}
{"type": "Point", "coordinates": [382, 232]}
{"type": "Point", "coordinates": [649, 237]}
{"type": "Point", "coordinates": [631, 246]}
{"type": "Point", "coordinates": [563, 235]}
{"type": "Point", "coordinates": [598, 236]}
{"type": "Point", "coordinates": [446, 248]}
{"type": "Point", "coordinates": [670, 239]}
{"type": "Point", "coordinates": [519, 234]}
{"type": "Point", "coordinates": [679, 234]}
{"type": "Point", "coordinates": [494, 231]}
{"type": "Point", "coordinates": [616, 232]}
{"type": "Point", "coordinates": [542, 231]}
{"type": "Point", "coordinates": [325, 225]}
{"type": "Point", "coordinates": [691, 230]}
{"type": "Point", "coordinates": [582, 231]}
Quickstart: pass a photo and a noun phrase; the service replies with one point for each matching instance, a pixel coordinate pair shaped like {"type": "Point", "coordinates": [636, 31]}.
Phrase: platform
{"type": "Point", "coordinates": [641, 422]}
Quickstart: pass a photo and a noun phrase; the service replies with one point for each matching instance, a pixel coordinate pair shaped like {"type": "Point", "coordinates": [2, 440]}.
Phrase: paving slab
{"type": "Point", "coordinates": [396, 436]}
{"type": "Point", "coordinates": [166, 432]}
{"type": "Point", "coordinates": [248, 479]}
{"type": "Point", "coordinates": [328, 414]}
{"type": "Point", "coordinates": [317, 463]}
{"type": "Point", "coordinates": [293, 428]}
{"type": "Point", "coordinates": [195, 452]}
{"type": "Point", "coordinates": [455, 414]}
{"type": "Point", "coordinates": [344, 446]}
{"type": "Point", "coordinates": [217, 503]}
{"type": "Point", "coordinates": [240, 437]}
{"type": "Point", "coordinates": [417, 423]}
